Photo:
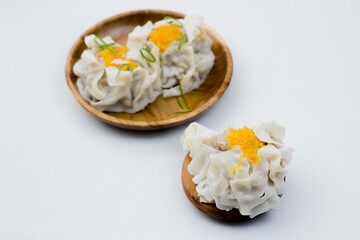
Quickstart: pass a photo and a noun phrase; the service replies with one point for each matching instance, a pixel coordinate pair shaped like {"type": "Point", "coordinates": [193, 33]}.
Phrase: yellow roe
{"type": "Point", "coordinates": [248, 142]}
{"type": "Point", "coordinates": [108, 57]}
{"type": "Point", "coordinates": [164, 35]}
{"type": "Point", "coordinates": [234, 169]}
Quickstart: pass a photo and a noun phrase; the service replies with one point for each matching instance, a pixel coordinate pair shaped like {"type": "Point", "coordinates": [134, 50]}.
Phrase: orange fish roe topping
{"type": "Point", "coordinates": [164, 35]}
{"type": "Point", "coordinates": [247, 141]}
{"type": "Point", "coordinates": [234, 169]}
{"type": "Point", "coordinates": [108, 57]}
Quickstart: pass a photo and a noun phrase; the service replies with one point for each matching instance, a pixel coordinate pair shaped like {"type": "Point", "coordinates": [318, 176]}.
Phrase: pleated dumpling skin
{"type": "Point", "coordinates": [117, 78]}
{"type": "Point", "coordinates": [107, 88]}
{"type": "Point", "coordinates": [232, 178]}
{"type": "Point", "coordinates": [192, 63]}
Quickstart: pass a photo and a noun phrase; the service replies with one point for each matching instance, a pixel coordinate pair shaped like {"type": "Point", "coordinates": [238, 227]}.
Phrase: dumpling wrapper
{"type": "Point", "coordinates": [253, 189]}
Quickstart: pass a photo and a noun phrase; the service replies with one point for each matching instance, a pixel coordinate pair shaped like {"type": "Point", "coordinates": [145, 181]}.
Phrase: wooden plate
{"type": "Point", "coordinates": [210, 209]}
{"type": "Point", "coordinates": [159, 114]}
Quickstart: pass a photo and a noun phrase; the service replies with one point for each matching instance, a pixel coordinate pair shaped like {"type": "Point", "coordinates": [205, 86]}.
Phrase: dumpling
{"type": "Point", "coordinates": [191, 63]}
{"type": "Point", "coordinates": [151, 88]}
{"type": "Point", "coordinates": [241, 169]}
{"type": "Point", "coordinates": [106, 87]}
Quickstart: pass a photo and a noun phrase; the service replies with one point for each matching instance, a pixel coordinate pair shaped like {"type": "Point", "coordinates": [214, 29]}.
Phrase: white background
{"type": "Point", "coordinates": [66, 175]}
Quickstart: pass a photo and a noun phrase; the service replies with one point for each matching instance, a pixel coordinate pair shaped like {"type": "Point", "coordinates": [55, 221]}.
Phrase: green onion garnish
{"type": "Point", "coordinates": [172, 21]}
{"type": "Point", "coordinates": [130, 69]}
{"type": "Point", "coordinates": [182, 40]}
{"type": "Point", "coordinates": [105, 45]}
{"type": "Point", "coordinates": [148, 52]}
{"type": "Point", "coordinates": [183, 112]}
{"type": "Point", "coordinates": [102, 40]}
{"type": "Point", "coordinates": [108, 45]}
{"type": "Point", "coordinates": [182, 93]}
{"type": "Point", "coordinates": [183, 97]}
{"type": "Point", "coordinates": [177, 99]}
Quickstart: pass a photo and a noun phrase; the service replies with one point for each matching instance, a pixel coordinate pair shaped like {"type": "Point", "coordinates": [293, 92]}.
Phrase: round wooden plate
{"type": "Point", "coordinates": [210, 209]}
{"type": "Point", "coordinates": [159, 114]}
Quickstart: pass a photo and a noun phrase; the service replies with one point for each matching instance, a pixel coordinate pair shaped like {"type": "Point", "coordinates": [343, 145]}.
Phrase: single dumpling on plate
{"type": "Point", "coordinates": [242, 169]}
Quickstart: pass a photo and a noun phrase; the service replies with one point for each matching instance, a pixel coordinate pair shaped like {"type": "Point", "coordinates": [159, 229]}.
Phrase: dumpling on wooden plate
{"type": "Point", "coordinates": [170, 57]}
{"type": "Point", "coordinates": [190, 60]}
{"type": "Point", "coordinates": [242, 169]}
{"type": "Point", "coordinates": [105, 86]}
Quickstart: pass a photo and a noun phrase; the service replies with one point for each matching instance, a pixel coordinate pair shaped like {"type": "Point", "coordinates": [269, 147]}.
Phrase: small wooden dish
{"type": "Point", "coordinates": [159, 114]}
{"type": "Point", "coordinates": [210, 209]}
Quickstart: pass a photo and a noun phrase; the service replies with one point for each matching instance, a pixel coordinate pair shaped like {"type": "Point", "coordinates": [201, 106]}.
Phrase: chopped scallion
{"type": "Point", "coordinates": [183, 112]}
{"type": "Point", "coordinates": [177, 99]}
{"type": "Point", "coordinates": [182, 40]}
{"type": "Point", "coordinates": [108, 45]}
{"type": "Point", "coordinates": [182, 93]}
{"type": "Point", "coordinates": [130, 69]}
{"type": "Point", "coordinates": [172, 21]}
{"type": "Point", "coordinates": [148, 52]}
{"type": "Point", "coordinates": [104, 45]}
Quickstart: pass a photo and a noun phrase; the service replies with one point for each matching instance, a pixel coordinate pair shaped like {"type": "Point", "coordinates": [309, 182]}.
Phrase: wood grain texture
{"type": "Point", "coordinates": [159, 114]}
{"type": "Point", "coordinates": [210, 209]}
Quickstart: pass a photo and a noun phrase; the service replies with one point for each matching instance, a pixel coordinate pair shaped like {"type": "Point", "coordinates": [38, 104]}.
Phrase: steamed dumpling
{"type": "Point", "coordinates": [192, 62]}
{"type": "Point", "coordinates": [239, 169]}
{"type": "Point", "coordinates": [108, 89]}
{"type": "Point", "coordinates": [117, 78]}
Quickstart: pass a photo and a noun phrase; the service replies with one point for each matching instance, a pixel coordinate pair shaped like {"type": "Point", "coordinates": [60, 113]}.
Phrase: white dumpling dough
{"type": "Point", "coordinates": [108, 90]}
{"type": "Point", "coordinates": [253, 189]}
{"type": "Point", "coordinates": [193, 61]}
{"type": "Point", "coordinates": [126, 93]}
